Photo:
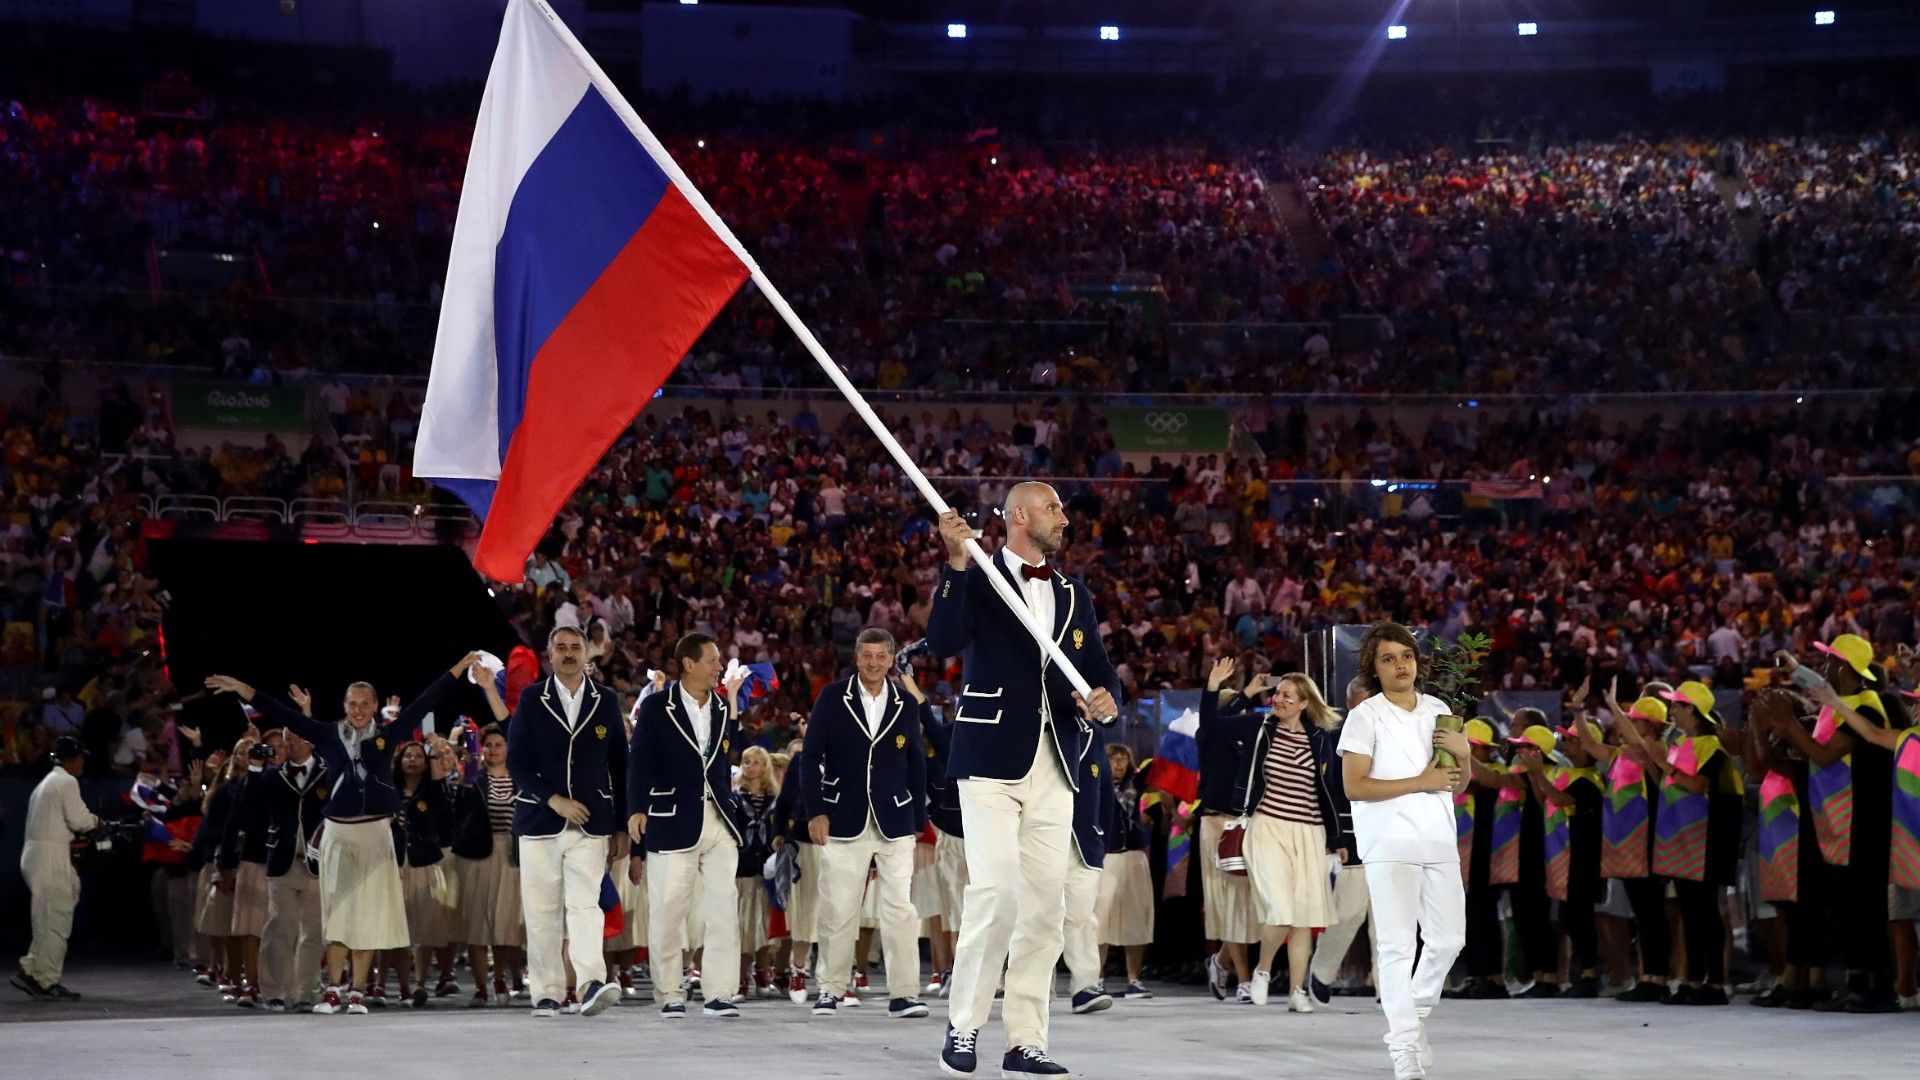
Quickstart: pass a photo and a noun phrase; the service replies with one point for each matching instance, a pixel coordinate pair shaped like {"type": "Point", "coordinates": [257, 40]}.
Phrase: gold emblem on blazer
{"type": "Point", "coordinates": [599, 731]}
{"type": "Point", "coordinates": [1079, 638]}
{"type": "Point", "coordinates": [320, 793]}
{"type": "Point", "coordinates": [899, 742]}
{"type": "Point", "coordinates": [1095, 770]}
{"type": "Point", "coordinates": [379, 743]}
{"type": "Point", "coordinates": [421, 806]}
{"type": "Point", "coordinates": [726, 745]}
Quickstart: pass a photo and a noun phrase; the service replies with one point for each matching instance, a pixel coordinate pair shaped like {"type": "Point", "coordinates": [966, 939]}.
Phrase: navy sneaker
{"type": "Point", "coordinates": [598, 996]}
{"type": "Point", "coordinates": [1091, 1000]}
{"type": "Point", "coordinates": [720, 1007]}
{"type": "Point", "coordinates": [546, 1007]}
{"type": "Point", "coordinates": [1137, 991]}
{"type": "Point", "coordinates": [1322, 993]}
{"type": "Point", "coordinates": [906, 1008]}
{"type": "Point", "coordinates": [673, 1010]}
{"type": "Point", "coordinates": [826, 1004]}
{"type": "Point", "coordinates": [27, 985]}
{"type": "Point", "coordinates": [957, 1057]}
{"type": "Point", "coordinates": [1026, 1061]}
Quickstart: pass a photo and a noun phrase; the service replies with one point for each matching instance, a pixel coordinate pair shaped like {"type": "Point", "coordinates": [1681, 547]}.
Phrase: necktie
{"type": "Point", "coordinates": [298, 772]}
{"type": "Point", "coordinates": [1036, 573]}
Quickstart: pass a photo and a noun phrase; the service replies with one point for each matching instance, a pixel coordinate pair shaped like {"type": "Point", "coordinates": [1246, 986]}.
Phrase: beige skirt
{"type": "Point", "coordinates": [490, 898]}
{"type": "Point", "coordinates": [633, 908]}
{"type": "Point", "coordinates": [753, 914]}
{"type": "Point", "coordinates": [216, 908]}
{"type": "Point", "coordinates": [950, 876]}
{"type": "Point", "coordinates": [925, 891]}
{"type": "Point", "coordinates": [361, 904]}
{"type": "Point", "coordinates": [1287, 863]}
{"type": "Point", "coordinates": [430, 922]}
{"type": "Point", "coordinates": [1124, 908]}
{"type": "Point", "coordinates": [804, 901]}
{"type": "Point", "coordinates": [250, 900]}
{"type": "Point", "coordinates": [1227, 900]}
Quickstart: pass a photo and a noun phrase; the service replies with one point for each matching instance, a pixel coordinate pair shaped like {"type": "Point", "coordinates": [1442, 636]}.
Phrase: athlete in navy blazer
{"type": "Point", "coordinates": [1092, 799]}
{"type": "Point", "coordinates": [587, 763]}
{"type": "Point", "coordinates": [882, 774]}
{"type": "Point", "coordinates": [997, 717]}
{"type": "Point", "coordinates": [670, 777]}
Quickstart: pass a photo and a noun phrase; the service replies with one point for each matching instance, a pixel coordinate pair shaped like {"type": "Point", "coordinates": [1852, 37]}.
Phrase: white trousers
{"type": "Point", "coordinates": [1080, 935]}
{"type": "Point", "coordinates": [843, 885]}
{"type": "Point", "coordinates": [560, 898]}
{"type": "Point", "coordinates": [291, 944]}
{"type": "Point", "coordinates": [1424, 903]}
{"type": "Point", "coordinates": [1019, 839]}
{"type": "Point", "coordinates": [55, 886]}
{"type": "Point", "coordinates": [1350, 907]}
{"type": "Point", "coordinates": [677, 883]}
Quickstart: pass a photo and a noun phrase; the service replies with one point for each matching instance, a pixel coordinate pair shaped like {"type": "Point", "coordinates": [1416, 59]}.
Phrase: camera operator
{"type": "Point", "coordinates": [55, 816]}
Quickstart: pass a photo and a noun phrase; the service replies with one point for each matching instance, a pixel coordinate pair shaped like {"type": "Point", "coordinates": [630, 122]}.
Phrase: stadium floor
{"type": "Point", "coordinates": [154, 1022]}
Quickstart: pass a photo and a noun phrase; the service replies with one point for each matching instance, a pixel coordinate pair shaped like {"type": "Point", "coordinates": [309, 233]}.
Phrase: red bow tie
{"type": "Point", "coordinates": [1036, 573]}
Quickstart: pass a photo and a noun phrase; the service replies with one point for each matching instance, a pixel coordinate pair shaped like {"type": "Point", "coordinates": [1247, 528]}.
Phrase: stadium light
{"type": "Point", "coordinates": [1396, 33]}
{"type": "Point", "coordinates": [1528, 29]}
{"type": "Point", "coordinates": [1109, 33]}
{"type": "Point", "coordinates": [1823, 18]}
{"type": "Point", "coordinates": [689, 3]}
{"type": "Point", "coordinates": [956, 29]}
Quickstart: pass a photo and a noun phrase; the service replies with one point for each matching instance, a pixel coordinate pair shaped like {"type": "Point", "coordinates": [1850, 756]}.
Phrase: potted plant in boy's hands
{"type": "Point", "coordinates": [1453, 673]}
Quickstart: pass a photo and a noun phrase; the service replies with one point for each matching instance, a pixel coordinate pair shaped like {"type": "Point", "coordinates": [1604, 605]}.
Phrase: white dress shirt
{"type": "Point", "coordinates": [699, 716]}
{"type": "Point", "coordinates": [874, 709]}
{"type": "Point", "coordinates": [570, 701]}
{"type": "Point", "coordinates": [1039, 593]}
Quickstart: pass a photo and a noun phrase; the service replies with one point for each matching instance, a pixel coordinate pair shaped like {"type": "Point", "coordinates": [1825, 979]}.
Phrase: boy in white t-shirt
{"type": "Point", "coordinates": [1403, 824]}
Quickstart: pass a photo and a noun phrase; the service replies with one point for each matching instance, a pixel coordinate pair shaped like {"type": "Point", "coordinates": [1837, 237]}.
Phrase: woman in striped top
{"type": "Point", "coordinates": [1282, 794]}
{"type": "Point", "coordinates": [489, 878]}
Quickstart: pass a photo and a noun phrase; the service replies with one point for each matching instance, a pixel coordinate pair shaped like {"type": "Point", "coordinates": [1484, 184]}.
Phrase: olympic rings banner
{"type": "Point", "coordinates": [1162, 430]}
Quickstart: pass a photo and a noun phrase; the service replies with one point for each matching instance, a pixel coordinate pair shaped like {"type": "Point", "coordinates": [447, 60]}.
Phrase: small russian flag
{"type": "Point", "coordinates": [583, 267]}
{"type": "Point", "coordinates": [616, 923]}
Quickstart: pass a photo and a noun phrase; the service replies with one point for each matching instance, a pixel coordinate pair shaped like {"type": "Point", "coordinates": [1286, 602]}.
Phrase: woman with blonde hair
{"type": "Point", "coordinates": [758, 790]}
{"type": "Point", "coordinates": [215, 905]}
{"type": "Point", "coordinates": [1282, 795]}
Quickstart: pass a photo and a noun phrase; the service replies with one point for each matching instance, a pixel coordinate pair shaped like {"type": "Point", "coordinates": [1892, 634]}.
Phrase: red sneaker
{"type": "Point", "coordinates": [356, 1003]}
{"type": "Point", "coordinates": [377, 996]}
{"type": "Point", "coordinates": [797, 986]}
{"type": "Point", "coordinates": [763, 982]}
{"type": "Point", "coordinates": [479, 999]}
{"type": "Point", "coordinates": [500, 987]}
{"type": "Point", "coordinates": [329, 1002]}
{"type": "Point", "coordinates": [859, 984]}
{"type": "Point", "coordinates": [248, 997]}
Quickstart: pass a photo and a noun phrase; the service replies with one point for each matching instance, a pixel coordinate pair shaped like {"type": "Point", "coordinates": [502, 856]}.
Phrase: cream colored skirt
{"type": "Point", "coordinates": [1228, 900]}
{"type": "Point", "coordinates": [216, 908]}
{"type": "Point", "coordinates": [950, 876]}
{"type": "Point", "coordinates": [250, 900]}
{"type": "Point", "coordinates": [1287, 863]}
{"type": "Point", "coordinates": [430, 920]}
{"type": "Point", "coordinates": [925, 891]}
{"type": "Point", "coordinates": [361, 904]}
{"type": "Point", "coordinates": [753, 914]}
{"type": "Point", "coordinates": [633, 907]}
{"type": "Point", "coordinates": [1124, 908]}
{"type": "Point", "coordinates": [490, 912]}
{"type": "Point", "coordinates": [804, 901]}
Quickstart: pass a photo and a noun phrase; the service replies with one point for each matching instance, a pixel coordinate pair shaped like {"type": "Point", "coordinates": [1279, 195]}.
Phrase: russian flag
{"type": "Point", "coordinates": [614, 921]}
{"type": "Point", "coordinates": [1176, 767]}
{"type": "Point", "coordinates": [583, 267]}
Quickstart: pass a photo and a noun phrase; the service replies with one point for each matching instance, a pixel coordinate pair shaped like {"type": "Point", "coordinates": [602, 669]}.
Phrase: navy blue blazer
{"type": "Point", "coordinates": [882, 774]}
{"type": "Point", "coordinates": [294, 812]}
{"type": "Point", "coordinates": [354, 797]}
{"type": "Point", "coordinates": [1250, 779]}
{"type": "Point", "coordinates": [1092, 797]}
{"type": "Point", "coordinates": [1009, 683]}
{"type": "Point", "coordinates": [245, 838]}
{"type": "Point", "coordinates": [671, 778]}
{"type": "Point", "coordinates": [943, 796]}
{"type": "Point", "coordinates": [789, 811]}
{"type": "Point", "coordinates": [1126, 829]}
{"type": "Point", "coordinates": [213, 826]}
{"type": "Point", "coordinates": [587, 764]}
{"type": "Point", "coordinates": [425, 822]}
{"type": "Point", "coordinates": [471, 834]}
{"type": "Point", "coordinates": [1224, 738]}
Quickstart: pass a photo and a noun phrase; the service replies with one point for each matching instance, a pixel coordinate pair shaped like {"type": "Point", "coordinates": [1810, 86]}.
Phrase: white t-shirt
{"type": "Point", "coordinates": [1412, 828]}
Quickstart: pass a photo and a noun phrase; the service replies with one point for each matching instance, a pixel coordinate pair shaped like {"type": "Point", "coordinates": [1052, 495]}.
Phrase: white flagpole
{"type": "Point", "coordinates": [1042, 635]}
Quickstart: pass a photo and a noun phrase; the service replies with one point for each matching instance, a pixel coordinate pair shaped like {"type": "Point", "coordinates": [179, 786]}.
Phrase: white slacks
{"type": "Point", "coordinates": [1350, 906]}
{"type": "Point", "coordinates": [843, 883]}
{"type": "Point", "coordinates": [1019, 845]}
{"type": "Point", "coordinates": [1415, 902]}
{"type": "Point", "coordinates": [1080, 934]}
{"type": "Point", "coordinates": [677, 881]}
{"type": "Point", "coordinates": [291, 944]}
{"type": "Point", "coordinates": [560, 897]}
{"type": "Point", "coordinates": [55, 888]}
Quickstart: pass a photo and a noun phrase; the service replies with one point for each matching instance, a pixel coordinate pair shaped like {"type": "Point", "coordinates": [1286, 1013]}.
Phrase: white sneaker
{"type": "Point", "coordinates": [1406, 1065]}
{"type": "Point", "coordinates": [1244, 995]}
{"type": "Point", "coordinates": [1910, 1003]}
{"type": "Point", "coordinates": [1262, 983]}
{"type": "Point", "coordinates": [1299, 1002]}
